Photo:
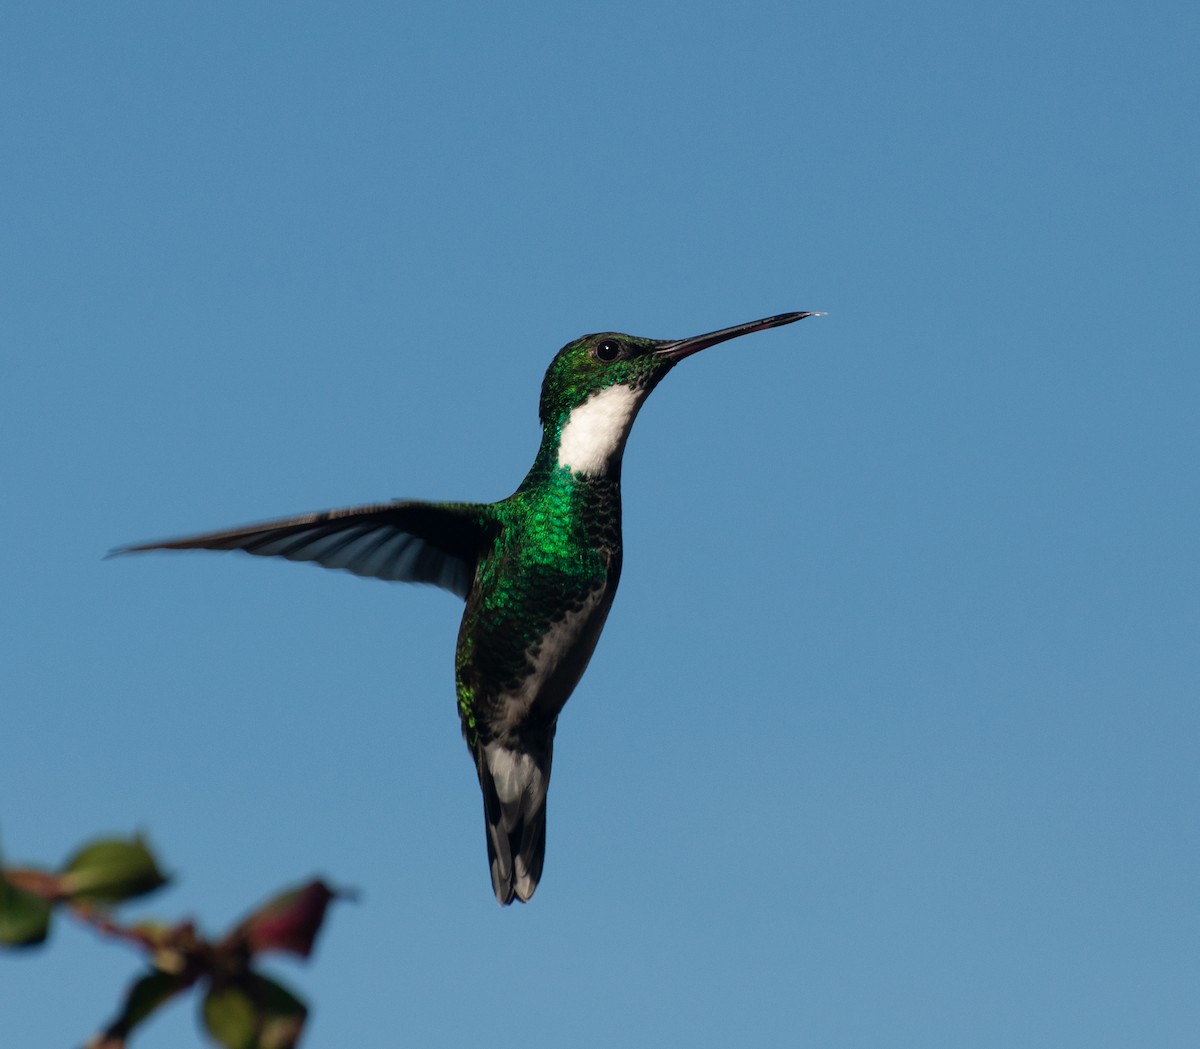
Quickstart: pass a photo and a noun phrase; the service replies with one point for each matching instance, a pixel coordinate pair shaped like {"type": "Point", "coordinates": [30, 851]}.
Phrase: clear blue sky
{"type": "Point", "coordinates": [892, 736]}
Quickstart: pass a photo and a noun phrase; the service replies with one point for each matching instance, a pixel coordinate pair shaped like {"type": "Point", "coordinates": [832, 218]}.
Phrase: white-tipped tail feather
{"type": "Point", "coordinates": [514, 786]}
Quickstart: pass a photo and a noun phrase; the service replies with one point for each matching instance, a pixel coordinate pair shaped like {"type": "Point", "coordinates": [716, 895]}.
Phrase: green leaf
{"type": "Point", "coordinates": [231, 1018]}
{"type": "Point", "coordinates": [24, 917]}
{"type": "Point", "coordinates": [254, 1013]}
{"type": "Point", "coordinates": [281, 1014]}
{"type": "Point", "coordinates": [144, 996]}
{"type": "Point", "coordinates": [110, 871]}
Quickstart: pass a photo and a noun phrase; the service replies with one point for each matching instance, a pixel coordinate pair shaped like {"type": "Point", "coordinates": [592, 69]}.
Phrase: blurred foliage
{"type": "Point", "coordinates": [241, 1008]}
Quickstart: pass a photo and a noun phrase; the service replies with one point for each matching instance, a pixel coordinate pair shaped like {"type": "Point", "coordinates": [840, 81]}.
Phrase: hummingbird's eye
{"type": "Point", "coordinates": [608, 350]}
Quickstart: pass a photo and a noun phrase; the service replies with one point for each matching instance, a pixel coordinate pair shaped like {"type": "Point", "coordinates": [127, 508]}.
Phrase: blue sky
{"type": "Point", "coordinates": [891, 737]}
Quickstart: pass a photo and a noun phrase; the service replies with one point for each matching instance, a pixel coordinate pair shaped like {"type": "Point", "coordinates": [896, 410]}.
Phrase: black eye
{"type": "Point", "coordinates": [608, 350]}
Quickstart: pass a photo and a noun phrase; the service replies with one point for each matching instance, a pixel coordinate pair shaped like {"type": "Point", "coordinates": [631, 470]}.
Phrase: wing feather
{"type": "Point", "coordinates": [403, 541]}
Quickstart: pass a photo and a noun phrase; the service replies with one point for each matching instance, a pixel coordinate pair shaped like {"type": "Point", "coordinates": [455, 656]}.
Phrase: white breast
{"type": "Point", "coordinates": [596, 430]}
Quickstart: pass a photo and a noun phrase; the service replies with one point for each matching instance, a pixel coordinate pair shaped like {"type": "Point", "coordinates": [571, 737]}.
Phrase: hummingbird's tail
{"type": "Point", "coordinates": [514, 786]}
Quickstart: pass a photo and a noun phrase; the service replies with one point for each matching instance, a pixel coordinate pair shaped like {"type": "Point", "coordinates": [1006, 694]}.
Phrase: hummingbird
{"type": "Point", "coordinates": [538, 572]}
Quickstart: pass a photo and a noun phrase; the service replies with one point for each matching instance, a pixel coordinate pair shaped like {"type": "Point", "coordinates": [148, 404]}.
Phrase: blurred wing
{"type": "Point", "coordinates": [411, 542]}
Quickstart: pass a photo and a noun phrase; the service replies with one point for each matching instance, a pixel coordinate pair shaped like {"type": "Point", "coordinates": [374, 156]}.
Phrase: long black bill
{"type": "Point", "coordinates": [686, 347]}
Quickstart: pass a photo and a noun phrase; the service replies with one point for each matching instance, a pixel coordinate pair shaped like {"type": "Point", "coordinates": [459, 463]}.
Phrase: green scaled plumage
{"type": "Point", "coordinates": [538, 571]}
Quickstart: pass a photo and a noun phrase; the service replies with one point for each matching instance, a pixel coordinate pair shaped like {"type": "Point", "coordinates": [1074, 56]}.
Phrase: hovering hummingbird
{"type": "Point", "coordinates": [538, 571]}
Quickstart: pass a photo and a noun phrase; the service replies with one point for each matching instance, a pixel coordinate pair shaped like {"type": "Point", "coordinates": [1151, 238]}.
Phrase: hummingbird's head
{"type": "Point", "coordinates": [596, 384]}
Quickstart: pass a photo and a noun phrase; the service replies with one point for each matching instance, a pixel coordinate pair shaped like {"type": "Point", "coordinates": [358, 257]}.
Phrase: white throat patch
{"type": "Point", "coordinates": [596, 430]}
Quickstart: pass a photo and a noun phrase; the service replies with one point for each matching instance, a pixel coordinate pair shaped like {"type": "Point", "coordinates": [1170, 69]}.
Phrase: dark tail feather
{"type": "Point", "coordinates": [514, 784]}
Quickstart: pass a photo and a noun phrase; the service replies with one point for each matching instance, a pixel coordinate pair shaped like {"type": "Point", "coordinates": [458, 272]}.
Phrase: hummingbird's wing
{"type": "Point", "coordinates": [411, 542]}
